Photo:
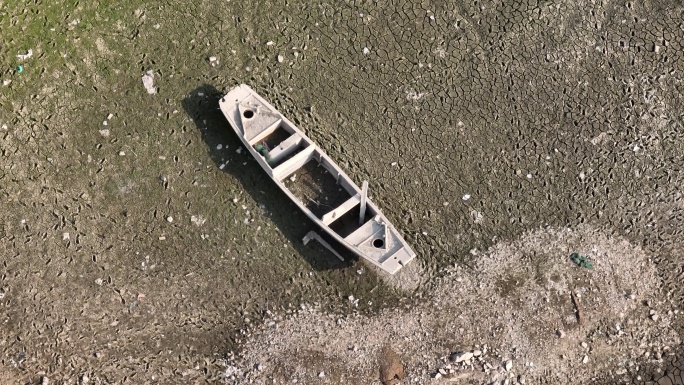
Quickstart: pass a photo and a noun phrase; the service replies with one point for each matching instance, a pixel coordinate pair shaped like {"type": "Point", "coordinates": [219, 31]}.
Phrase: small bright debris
{"type": "Point", "coordinates": [25, 56]}
{"type": "Point", "coordinates": [466, 197]}
{"type": "Point", "coordinates": [148, 82]}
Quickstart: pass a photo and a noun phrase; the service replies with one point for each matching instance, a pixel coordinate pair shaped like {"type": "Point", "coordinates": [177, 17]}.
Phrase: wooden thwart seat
{"type": "Point", "coordinates": [341, 209]}
{"type": "Point", "coordinates": [293, 164]}
{"type": "Point", "coordinates": [285, 148]}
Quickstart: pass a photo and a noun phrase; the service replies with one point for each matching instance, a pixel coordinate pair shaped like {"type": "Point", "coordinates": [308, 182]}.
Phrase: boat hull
{"type": "Point", "coordinates": [313, 181]}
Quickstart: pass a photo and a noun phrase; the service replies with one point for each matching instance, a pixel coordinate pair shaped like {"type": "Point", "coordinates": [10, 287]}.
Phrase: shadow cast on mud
{"type": "Point", "coordinates": [202, 106]}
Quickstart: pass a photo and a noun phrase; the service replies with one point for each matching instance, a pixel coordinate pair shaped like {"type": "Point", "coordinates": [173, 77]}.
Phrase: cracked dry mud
{"type": "Point", "coordinates": [498, 136]}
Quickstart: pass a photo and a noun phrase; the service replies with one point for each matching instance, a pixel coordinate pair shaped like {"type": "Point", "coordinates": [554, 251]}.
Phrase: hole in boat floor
{"type": "Point", "coordinates": [316, 188]}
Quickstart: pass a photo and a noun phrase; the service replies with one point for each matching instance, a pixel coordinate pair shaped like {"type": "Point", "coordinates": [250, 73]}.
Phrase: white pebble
{"type": "Point", "coordinates": [280, 58]}
{"type": "Point", "coordinates": [509, 365]}
{"type": "Point", "coordinates": [169, 219]}
{"type": "Point", "coordinates": [585, 359]}
{"type": "Point", "coordinates": [366, 51]}
{"type": "Point", "coordinates": [465, 356]}
{"type": "Point", "coordinates": [466, 197]}
{"type": "Point", "coordinates": [121, 153]}
{"type": "Point", "coordinates": [321, 374]}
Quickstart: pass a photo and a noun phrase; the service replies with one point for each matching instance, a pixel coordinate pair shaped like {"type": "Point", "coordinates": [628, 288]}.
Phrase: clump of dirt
{"type": "Point", "coordinates": [512, 315]}
{"type": "Point", "coordinates": [391, 368]}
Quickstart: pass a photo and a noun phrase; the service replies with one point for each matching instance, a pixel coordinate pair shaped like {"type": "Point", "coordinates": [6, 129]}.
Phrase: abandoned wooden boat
{"type": "Point", "coordinates": [313, 181]}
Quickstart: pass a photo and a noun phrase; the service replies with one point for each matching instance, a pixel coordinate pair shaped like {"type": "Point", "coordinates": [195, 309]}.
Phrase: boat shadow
{"type": "Point", "coordinates": [202, 106]}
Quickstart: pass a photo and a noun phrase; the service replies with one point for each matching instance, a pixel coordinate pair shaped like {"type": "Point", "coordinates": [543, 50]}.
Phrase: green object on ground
{"type": "Point", "coordinates": [20, 69]}
{"type": "Point", "coordinates": [581, 261]}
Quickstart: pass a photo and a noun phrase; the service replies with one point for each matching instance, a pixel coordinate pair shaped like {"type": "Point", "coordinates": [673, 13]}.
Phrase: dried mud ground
{"type": "Point", "coordinates": [138, 245]}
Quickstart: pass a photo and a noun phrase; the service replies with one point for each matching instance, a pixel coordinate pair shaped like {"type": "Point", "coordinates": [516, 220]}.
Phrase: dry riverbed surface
{"type": "Point", "coordinates": [139, 244]}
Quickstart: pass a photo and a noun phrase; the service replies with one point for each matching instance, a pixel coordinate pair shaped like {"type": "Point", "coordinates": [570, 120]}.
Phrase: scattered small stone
{"type": "Point", "coordinates": [366, 51]}
{"type": "Point", "coordinates": [437, 376]}
{"type": "Point", "coordinates": [461, 356]}
{"type": "Point", "coordinates": [148, 83]}
{"type": "Point", "coordinates": [466, 197]}
{"type": "Point", "coordinates": [280, 58]}
{"type": "Point", "coordinates": [654, 317]}
{"type": "Point", "coordinates": [44, 381]}
{"type": "Point", "coordinates": [122, 153]}
{"type": "Point", "coordinates": [321, 374]}
{"type": "Point", "coordinates": [6, 82]}
{"type": "Point", "coordinates": [560, 333]}
{"type": "Point", "coordinates": [509, 365]}
{"type": "Point", "coordinates": [584, 344]}
{"type": "Point", "coordinates": [99, 282]}
{"type": "Point", "coordinates": [104, 122]}
{"type": "Point", "coordinates": [585, 359]}
{"type": "Point", "coordinates": [169, 219]}
{"type": "Point", "coordinates": [477, 353]}
{"type": "Point", "coordinates": [269, 43]}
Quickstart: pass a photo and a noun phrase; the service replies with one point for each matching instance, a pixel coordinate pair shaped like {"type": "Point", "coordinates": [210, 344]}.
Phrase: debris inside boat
{"type": "Point", "coordinates": [314, 182]}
